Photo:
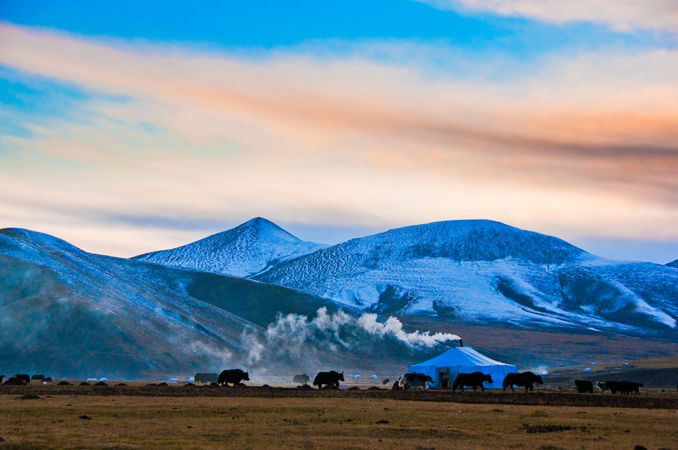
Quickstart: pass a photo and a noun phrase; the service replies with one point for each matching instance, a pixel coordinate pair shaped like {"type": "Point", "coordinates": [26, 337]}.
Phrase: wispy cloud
{"type": "Point", "coordinates": [581, 143]}
{"type": "Point", "coordinates": [619, 14]}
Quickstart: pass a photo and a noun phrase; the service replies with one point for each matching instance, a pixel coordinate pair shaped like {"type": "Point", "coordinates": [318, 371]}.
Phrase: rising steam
{"type": "Point", "coordinates": [295, 337]}
{"type": "Point", "coordinates": [393, 327]}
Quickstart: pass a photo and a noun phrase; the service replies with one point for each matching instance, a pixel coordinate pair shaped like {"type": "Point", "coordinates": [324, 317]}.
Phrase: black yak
{"type": "Point", "coordinates": [331, 378]}
{"type": "Point", "coordinates": [301, 379]}
{"type": "Point", "coordinates": [624, 387]}
{"type": "Point", "coordinates": [526, 379]}
{"type": "Point", "coordinates": [232, 376]}
{"type": "Point", "coordinates": [474, 380]}
{"type": "Point", "coordinates": [15, 381]}
{"type": "Point", "coordinates": [206, 378]}
{"type": "Point", "coordinates": [584, 386]}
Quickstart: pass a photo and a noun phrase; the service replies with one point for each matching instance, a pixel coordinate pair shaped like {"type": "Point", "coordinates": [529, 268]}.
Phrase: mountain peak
{"type": "Point", "coordinates": [474, 240]}
{"type": "Point", "coordinates": [265, 229]}
{"type": "Point", "coordinates": [245, 250]}
{"type": "Point", "coordinates": [673, 264]}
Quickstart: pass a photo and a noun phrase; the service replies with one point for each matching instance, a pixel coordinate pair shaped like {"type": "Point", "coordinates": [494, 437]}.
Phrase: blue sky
{"type": "Point", "coordinates": [132, 126]}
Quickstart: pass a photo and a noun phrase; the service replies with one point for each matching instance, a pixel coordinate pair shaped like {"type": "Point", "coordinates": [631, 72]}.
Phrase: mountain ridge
{"type": "Point", "coordinates": [75, 314]}
{"type": "Point", "coordinates": [243, 251]}
{"type": "Point", "coordinates": [486, 271]}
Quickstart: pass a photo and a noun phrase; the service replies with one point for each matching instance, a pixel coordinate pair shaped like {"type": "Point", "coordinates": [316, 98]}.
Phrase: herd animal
{"type": "Point", "coordinates": [527, 379]}
{"type": "Point", "coordinates": [21, 379]}
{"type": "Point", "coordinates": [301, 379]}
{"type": "Point", "coordinates": [206, 378]}
{"type": "Point", "coordinates": [329, 379]}
{"type": "Point", "coordinates": [624, 387]}
{"type": "Point", "coordinates": [232, 376]}
{"type": "Point", "coordinates": [475, 380]}
{"type": "Point", "coordinates": [414, 381]}
{"type": "Point", "coordinates": [584, 386]}
{"type": "Point", "coordinates": [333, 379]}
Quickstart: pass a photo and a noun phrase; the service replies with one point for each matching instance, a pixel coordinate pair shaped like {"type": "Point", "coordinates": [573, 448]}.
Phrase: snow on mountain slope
{"type": "Point", "coordinates": [70, 313]}
{"type": "Point", "coordinates": [486, 271]}
{"type": "Point", "coordinates": [71, 310]}
{"type": "Point", "coordinates": [242, 251]}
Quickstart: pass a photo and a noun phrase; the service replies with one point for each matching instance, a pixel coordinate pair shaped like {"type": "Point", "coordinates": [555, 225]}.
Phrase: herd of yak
{"type": "Point", "coordinates": [333, 379]}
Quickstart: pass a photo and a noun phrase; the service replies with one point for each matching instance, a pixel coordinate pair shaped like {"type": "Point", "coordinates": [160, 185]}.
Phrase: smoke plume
{"type": "Point", "coordinates": [293, 338]}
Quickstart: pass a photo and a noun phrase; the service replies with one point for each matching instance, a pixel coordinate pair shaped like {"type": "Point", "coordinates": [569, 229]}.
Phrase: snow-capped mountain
{"type": "Point", "coordinates": [244, 251]}
{"type": "Point", "coordinates": [69, 313]}
{"type": "Point", "coordinates": [484, 271]}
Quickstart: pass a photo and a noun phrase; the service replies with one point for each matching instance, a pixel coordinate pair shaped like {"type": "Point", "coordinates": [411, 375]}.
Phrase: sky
{"type": "Point", "coordinates": [128, 127]}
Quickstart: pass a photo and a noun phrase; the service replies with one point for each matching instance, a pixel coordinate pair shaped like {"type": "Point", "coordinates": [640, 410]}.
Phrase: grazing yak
{"type": "Point", "coordinates": [624, 387]}
{"type": "Point", "coordinates": [474, 380]}
{"type": "Point", "coordinates": [584, 386]}
{"type": "Point", "coordinates": [602, 387]}
{"type": "Point", "coordinates": [233, 376]}
{"type": "Point", "coordinates": [15, 381]}
{"type": "Point", "coordinates": [414, 381]}
{"type": "Point", "coordinates": [25, 377]}
{"type": "Point", "coordinates": [301, 379]}
{"type": "Point", "coordinates": [526, 379]}
{"type": "Point", "coordinates": [633, 387]}
{"type": "Point", "coordinates": [37, 377]}
{"type": "Point", "coordinates": [2, 377]}
{"type": "Point", "coordinates": [206, 378]}
{"type": "Point", "coordinates": [331, 378]}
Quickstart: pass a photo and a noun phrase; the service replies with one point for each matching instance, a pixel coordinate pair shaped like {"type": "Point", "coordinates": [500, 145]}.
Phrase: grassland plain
{"type": "Point", "coordinates": [136, 416]}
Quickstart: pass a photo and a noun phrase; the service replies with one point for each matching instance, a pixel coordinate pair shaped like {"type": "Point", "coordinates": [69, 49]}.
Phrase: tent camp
{"type": "Point", "coordinates": [464, 360]}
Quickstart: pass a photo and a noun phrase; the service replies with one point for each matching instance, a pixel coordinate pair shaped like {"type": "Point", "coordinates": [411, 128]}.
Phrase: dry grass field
{"type": "Point", "coordinates": [216, 418]}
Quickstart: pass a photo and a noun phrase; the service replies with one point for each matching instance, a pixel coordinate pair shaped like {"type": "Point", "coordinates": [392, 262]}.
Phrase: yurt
{"type": "Point", "coordinates": [464, 360]}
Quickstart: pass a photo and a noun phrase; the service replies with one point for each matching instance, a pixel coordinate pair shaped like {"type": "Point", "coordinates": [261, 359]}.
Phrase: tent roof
{"type": "Point", "coordinates": [461, 356]}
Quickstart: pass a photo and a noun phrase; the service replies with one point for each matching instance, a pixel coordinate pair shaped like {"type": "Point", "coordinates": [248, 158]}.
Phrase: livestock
{"type": "Point", "coordinates": [2, 377]}
{"type": "Point", "coordinates": [584, 386]}
{"type": "Point", "coordinates": [602, 386]}
{"type": "Point", "coordinates": [634, 387]}
{"type": "Point", "coordinates": [614, 386]}
{"type": "Point", "coordinates": [526, 379]}
{"type": "Point", "coordinates": [206, 378]}
{"type": "Point", "coordinates": [331, 378]}
{"type": "Point", "coordinates": [624, 387]}
{"type": "Point", "coordinates": [415, 380]}
{"type": "Point", "coordinates": [474, 380]}
{"type": "Point", "coordinates": [25, 377]}
{"type": "Point", "coordinates": [15, 381]}
{"type": "Point", "coordinates": [301, 379]}
{"type": "Point", "coordinates": [232, 376]}
{"type": "Point", "coordinates": [37, 377]}
{"type": "Point", "coordinates": [47, 380]}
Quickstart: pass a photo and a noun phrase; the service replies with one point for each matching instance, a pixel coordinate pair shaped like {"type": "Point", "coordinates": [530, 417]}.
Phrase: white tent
{"type": "Point", "coordinates": [464, 360]}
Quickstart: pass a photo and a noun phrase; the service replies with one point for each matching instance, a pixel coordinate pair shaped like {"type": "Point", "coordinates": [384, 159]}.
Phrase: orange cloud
{"type": "Point", "coordinates": [586, 141]}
